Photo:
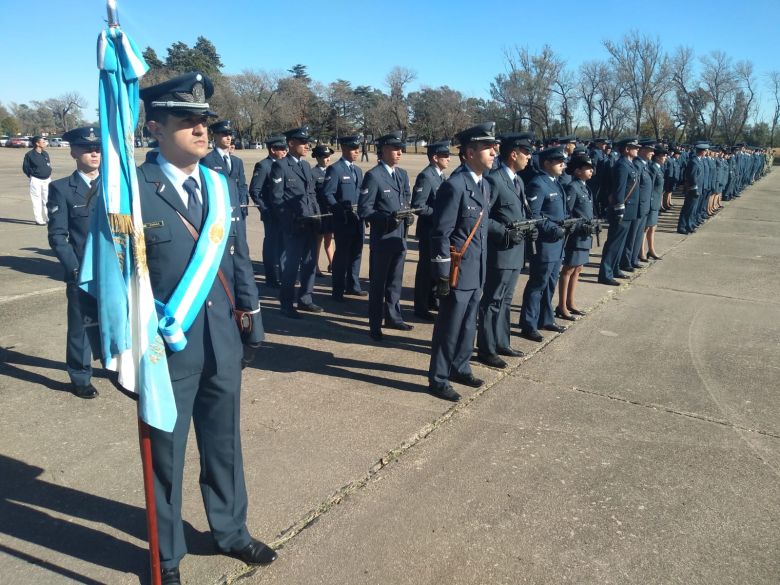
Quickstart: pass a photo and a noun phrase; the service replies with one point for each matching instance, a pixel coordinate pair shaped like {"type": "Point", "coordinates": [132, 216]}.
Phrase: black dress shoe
{"type": "Point", "coordinates": [356, 293]}
{"type": "Point", "coordinates": [627, 268]}
{"type": "Point", "coordinates": [85, 391]}
{"type": "Point", "coordinates": [170, 576]}
{"type": "Point", "coordinates": [255, 553]}
{"type": "Point", "coordinates": [492, 360]}
{"type": "Point", "coordinates": [561, 315]}
{"type": "Point", "coordinates": [509, 352]}
{"type": "Point", "coordinates": [653, 256]}
{"type": "Point", "coordinates": [339, 298]}
{"type": "Point", "coordinates": [531, 334]}
{"type": "Point", "coordinates": [376, 335]}
{"type": "Point", "coordinates": [272, 284]}
{"type": "Point", "coordinates": [577, 311]}
{"type": "Point", "coordinates": [309, 308]}
{"type": "Point", "coordinates": [622, 275]}
{"type": "Point", "coordinates": [466, 379]}
{"type": "Point", "coordinates": [644, 260]}
{"type": "Point", "coordinates": [554, 327]}
{"type": "Point", "coordinates": [609, 281]}
{"type": "Point", "coordinates": [445, 392]}
{"type": "Point", "coordinates": [425, 315]}
{"type": "Point", "coordinates": [400, 326]}
{"type": "Point", "coordinates": [290, 313]}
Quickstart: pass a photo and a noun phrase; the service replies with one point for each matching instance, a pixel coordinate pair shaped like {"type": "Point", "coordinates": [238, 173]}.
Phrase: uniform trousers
{"type": "Point", "coordinates": [39, 195]}
{"type": "Point", "coordinates": [613, 247]}
{"type": "Point", "coordinates": [78, 352]}
{"type": "Point", "coordinates": [300, 247]}
{"type": "Point", "coordinates": [685, 223]}
{"type": "Point", "coordinates": [628, 247]}
{"type": "Point", "coordinates": [423, 279]}
{"type": "Point", "coordinates": [347, 256]}
{"type": "Point", "coordinates": [494, 321]}
{"type": "Point", "coordinates": [639, 235]}
{"type": "Point", "coordinates": [212, 400]}
{"type": "Point", "coordinates": [538, 295]}
{"type": "Point", "coordinates": [384, 293]}
{"type": "Point", "coordinates": [273, 245]}
{"type": "Point", "coordinates": [453, 335]}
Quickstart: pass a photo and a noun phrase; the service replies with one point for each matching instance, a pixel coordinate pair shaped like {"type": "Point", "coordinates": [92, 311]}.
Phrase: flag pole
{"type": "Point", "coordinates": [151, 506]}
{"type": "Point", "coordinates": [144, 435]}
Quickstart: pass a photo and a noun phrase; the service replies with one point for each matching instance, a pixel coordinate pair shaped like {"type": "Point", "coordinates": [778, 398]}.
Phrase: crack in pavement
{"type": "Point", "coordinates": [707, 294]}
{"type": "Point", "coordinates": [694, 415]}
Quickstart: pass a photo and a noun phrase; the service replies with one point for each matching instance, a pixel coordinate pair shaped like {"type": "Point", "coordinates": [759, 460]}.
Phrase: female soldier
{"type": "Point", "coordinates": [322, 153]}
{"type": "Point", "coordinates": [657, 172]}
{"type": "Point", "coordinates": [579, 201]}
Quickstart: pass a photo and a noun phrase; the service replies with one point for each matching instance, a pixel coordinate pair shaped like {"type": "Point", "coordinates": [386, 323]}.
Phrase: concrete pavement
{"type": "Point", "coordinates": [639, 446]}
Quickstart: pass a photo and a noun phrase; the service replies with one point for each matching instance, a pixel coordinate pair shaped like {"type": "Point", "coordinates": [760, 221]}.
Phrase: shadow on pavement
{"type": "Point", "coordinates": [277, 357]}
{"type": "Point", "coordinates": [34, 266]}
{"type": "Point", "coordinates": [25, 498]}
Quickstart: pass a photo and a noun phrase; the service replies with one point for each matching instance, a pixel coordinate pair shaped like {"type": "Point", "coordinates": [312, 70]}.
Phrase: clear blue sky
{"type": "Point", "coordinates": [49, 45]}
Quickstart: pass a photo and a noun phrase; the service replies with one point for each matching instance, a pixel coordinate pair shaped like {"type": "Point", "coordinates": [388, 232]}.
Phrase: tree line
{"type": "Point", "coordinates": [636, 88]}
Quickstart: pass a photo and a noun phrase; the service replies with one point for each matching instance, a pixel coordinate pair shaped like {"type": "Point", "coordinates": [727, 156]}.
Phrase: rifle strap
{"type": "Point", "coordinates": [630, 191]}
{"type": "Point", "coordinates": [471, 235]}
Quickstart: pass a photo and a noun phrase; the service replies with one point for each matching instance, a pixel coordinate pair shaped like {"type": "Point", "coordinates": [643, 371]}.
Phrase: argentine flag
{"type": "Point", "coordinates": [114, 268]}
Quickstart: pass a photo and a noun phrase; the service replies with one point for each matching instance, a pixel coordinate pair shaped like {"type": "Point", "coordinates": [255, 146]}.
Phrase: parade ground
{"type": "Point", "coordinates": [641, 446]}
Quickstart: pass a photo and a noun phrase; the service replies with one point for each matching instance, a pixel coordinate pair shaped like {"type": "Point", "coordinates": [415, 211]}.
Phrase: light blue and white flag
{"type": "Point", "coordinates": [114, 269]}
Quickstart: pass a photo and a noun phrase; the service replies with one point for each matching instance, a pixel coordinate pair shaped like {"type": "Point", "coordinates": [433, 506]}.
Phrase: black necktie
{"type": "Point", "coordinates": [517, 186]}
{"type": "Point", "coordinates": [194, 206]}
{"type": "Point", "coordinates": [227, 163]}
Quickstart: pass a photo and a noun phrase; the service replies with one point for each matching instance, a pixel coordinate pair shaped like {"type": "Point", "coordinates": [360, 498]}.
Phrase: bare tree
{"type": "Point", "coordinates": [565, 88]}
{"type": "Point", "coordinates": [719, 80]}
{"type": "Point", "coordinates": [528, 86]}
{"type": "Point", "coordinates": [66, 110]}
{"type": "Point", "coordinates": [642, 65]}
{"type": "Point", "coordinates": [774, 86]}
{"type": "Point", "coordinates": [397, 106]}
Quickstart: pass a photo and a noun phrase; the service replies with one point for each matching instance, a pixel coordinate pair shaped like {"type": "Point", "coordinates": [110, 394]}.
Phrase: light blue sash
{"type": "Point", "coordinates": [195, 284]}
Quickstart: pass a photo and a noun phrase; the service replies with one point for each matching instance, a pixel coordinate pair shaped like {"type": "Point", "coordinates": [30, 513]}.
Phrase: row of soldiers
{"type": "Point", "coordinates": [505, 204]}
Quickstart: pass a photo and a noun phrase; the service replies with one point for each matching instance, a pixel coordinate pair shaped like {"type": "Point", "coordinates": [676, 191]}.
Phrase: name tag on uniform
{"type": "Point", "coordinates": [346, 179]}
{"type": "Point", "coordinates": [532, 198]}
{"type": "Point", "coordinates": [386, 191]}
{"type": "Point", "coordinates": [551, 195]}
{"type": "Point", "coordinates": [154, 224]}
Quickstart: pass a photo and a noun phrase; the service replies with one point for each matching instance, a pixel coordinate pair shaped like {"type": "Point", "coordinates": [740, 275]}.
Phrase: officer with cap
{"type": "Point", "coordinates": [644, 192]}
{"type": "Point", "coordinates": [569, 144]}
{"type": "Point", "coordinates": [341, 191]}
{"type": "Point", "coordinates": [547, 200]}
{"type": "Point", "coordinates": [177, 196]}
{"type": "Point", "coordinates": [694, 189]}
{"type": "Point", "coordinates": [223, 162]}
{"type": "Point", "coordinates": [294, 200]}
{"type": "Point", "coordinates": [579, 202]}
{"type": "Point", "coordinates": [621, 210]}
{"type": "Point", "coordinates": [322, 153]}
{"type": "Point", "coordinates": [425, 186]}
{"type": "Point", "coordinates": [70, 206]}
{"type": "Point", "coordinates": [505, 249]}
{"type": "Point", "coordinates": [459, 234]}
{"type": "Point", "coordinates": [260, 192]}
{"type": "Point", "coordinates": [384, 192]}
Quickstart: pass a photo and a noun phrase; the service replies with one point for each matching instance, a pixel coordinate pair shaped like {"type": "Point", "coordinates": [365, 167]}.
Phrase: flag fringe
{"type": "Point", "coordinates": [121, 223]}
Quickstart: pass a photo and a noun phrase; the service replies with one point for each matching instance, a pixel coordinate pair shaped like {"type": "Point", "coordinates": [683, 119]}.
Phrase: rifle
{"type": "Point", "coordinates": [404, 213]}
{"type": "Point", "coordinates": [525, 226]}
{"type": "Point", "coordinates": [598, 224]}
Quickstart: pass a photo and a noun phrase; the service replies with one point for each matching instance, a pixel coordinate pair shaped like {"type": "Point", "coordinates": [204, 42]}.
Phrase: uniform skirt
{"type": "Point", "coordinates": [575, 257]}
{"type": "Point", "coordinates": [652, 218]}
